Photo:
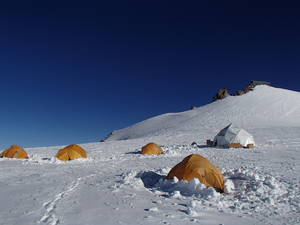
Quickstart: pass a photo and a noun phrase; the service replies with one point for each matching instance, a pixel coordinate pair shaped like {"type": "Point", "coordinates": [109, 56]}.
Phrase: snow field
{"type": "Point", "coordinates": [118, 185]}
{"type": "Point", "coordinates": [129, 188]}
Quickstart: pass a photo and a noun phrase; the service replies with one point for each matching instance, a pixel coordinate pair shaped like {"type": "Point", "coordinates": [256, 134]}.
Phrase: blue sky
{"type": "Point", "coordinates": [73, 71]}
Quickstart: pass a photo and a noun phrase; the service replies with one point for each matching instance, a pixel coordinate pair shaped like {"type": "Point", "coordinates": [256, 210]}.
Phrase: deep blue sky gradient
{"type": "Point", "coordinates": [73, 71]}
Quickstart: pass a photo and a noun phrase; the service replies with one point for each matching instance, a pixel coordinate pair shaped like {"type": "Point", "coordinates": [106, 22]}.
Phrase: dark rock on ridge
{"type": "Point", "coordinates": [223, 93]}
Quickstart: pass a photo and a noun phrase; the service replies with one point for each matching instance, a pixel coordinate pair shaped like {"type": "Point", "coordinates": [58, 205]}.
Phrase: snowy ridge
{"type": "Point", "coordinates": [265, 106]}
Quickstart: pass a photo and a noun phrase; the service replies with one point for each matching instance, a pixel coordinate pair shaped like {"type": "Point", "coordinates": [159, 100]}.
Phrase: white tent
{"type": "Point", "coordinates": [232, 136]}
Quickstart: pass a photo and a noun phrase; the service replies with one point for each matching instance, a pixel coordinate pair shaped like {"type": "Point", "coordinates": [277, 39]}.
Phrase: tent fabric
{"type": "Point", "coordinates": [71, 152]}
{"type": "Point", "coordinates": [197, 166]}
{"type": "Point", "coordinates": [15, 151]}
{"type": "Point", "coordinates": [231, 135]}
{"type": "Point", "coordinates": [151, 148]}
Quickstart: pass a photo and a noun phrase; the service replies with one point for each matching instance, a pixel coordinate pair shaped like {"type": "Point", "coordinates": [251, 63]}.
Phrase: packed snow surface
{"type": "Point", "coordinates": [118, 185]}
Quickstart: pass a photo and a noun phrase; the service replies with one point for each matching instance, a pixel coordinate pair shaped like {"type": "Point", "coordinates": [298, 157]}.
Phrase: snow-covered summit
{"type": "Point", "coordinates": [265, 106]}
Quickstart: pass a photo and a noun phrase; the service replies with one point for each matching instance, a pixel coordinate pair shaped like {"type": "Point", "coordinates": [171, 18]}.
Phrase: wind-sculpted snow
{"type": "Point", "coordinates": [118, 185]}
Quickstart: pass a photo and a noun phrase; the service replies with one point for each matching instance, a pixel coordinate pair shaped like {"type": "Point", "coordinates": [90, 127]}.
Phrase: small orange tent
{"type": "Point", "coordinates": [196, 166]}
{"type": "Point", "coordinates": [71, 152]}
{"type": "Point", "coordinates": [151, 148]}
{"type": "Point", "coordinates": [15, 151]}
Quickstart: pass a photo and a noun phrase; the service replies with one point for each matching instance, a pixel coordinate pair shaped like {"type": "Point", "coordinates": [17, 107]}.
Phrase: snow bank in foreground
{"type": "Point", "coordinates": [248, 190]}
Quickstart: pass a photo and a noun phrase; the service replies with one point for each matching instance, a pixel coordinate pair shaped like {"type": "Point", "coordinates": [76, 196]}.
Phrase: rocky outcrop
{"type": "Point", "coordinates": [239, 92]}
{"type": "Point", "coordinates": [111, 133]}
{"type": "Point", "coordinates": [223, 93]}
{"type": "Point", "coordinates": [246, 90]}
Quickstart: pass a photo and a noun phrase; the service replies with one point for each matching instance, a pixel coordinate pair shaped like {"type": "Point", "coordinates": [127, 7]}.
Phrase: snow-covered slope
{"type": "Point", "coordinates": [118, 185]}
{"type": "Point", "coordinates": [265, 106]}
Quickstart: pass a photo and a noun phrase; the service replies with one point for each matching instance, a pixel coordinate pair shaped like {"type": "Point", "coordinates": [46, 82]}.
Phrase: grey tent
{"type": "Point", "coordinates": [233, 136]}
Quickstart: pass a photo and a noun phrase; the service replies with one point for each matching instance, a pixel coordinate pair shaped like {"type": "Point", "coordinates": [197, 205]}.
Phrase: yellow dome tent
{"type": "Point", "coordinates": [196, 166]}
{"type": "Point", "coordinates": [151, 148]}
{"type": "Point", "coordinates": [15, 151]}
{"type": "Point", "coordinates": [71, 152]}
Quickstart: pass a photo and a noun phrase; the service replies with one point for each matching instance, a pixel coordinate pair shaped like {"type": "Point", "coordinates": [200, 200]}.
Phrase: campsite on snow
{"type": "Point", "coordinates": [233, 161]}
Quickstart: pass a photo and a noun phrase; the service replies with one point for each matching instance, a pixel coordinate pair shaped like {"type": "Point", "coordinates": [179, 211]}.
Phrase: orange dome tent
{"type": "Point", "coordinates": [196, 166]}
{"type": "Point", "coordinates": [15, 151]}
{"type": "Point", "coordinates": [71, 152]}
{"type": "Point", "coordinates": [151, 148]}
